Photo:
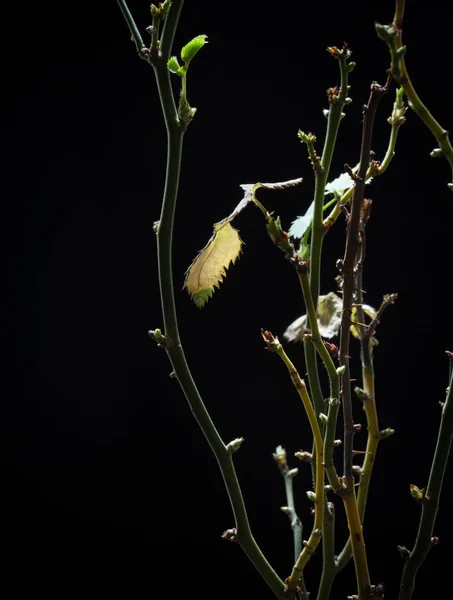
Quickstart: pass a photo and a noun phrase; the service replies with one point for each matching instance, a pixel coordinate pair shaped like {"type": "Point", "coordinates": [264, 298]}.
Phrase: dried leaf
{"type": "Point", "coordinates": [209, 267]}
{"type": "Point", "coordinates": [328, 315]}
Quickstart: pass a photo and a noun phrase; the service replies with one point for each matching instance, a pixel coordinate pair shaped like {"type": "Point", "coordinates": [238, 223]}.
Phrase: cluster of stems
{"type": "Point", "coordinates": [322, 415]}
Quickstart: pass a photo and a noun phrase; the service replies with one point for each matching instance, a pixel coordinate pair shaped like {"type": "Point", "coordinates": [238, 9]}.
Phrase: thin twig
{"type": "Point", "coordinates": [171, 339]}
{"type": "Point", "coordinates": [311, 544]}
{"type": "Point", "coordinates": [349, 264]}
{"type": "Point", "coordinates": [392, 35]}
{"type": "Point", "coordinates": [135, 33]}
{"type": "Point", "coordinates": [430, 501]}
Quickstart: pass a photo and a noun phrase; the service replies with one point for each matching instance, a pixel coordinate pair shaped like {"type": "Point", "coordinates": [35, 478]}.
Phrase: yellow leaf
{"type": "Point", "coordinates": [209, 267]}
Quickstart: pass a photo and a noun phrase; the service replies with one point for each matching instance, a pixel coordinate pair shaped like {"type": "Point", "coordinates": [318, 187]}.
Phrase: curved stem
{"type": "Point", "coordinates": [430, 501]}
{"type": "Point", "coordinates": [135, 33]}
{"type": "Point", "coordinates": [396, 119]}
{"type": "Point", "coordinates": [322, 173]}
{"type": "Point", "coordinates": [315, 536]}
{"type": "Point", "coordinates": [392, 35]}
{"type": "Point", "coordinates": [171, 339]}
{"type": "Point", "coordinates": [334, 379]}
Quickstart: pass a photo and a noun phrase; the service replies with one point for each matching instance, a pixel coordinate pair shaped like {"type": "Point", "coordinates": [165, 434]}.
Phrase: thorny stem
{"type": "Point", "coordinates": [328, 553]}
{"type": "Point", "coordinates": [367, 395]}
{"type": "Point", "coordinates": [336, 103]}
{"type": "Point", "coordinates": [280, 458]}
{"type": "Point", "coordinates": [430, 501]}
{"type": "Point", "coordinates": [315, 536]}
{"type": "Point", "coordinates": [348, 273]}
{"type": "Point", "coordinates": [135, 33]}
{"type": "Point", "coordinates": [396, 119]}
{"type": "Point", "coordinates": [392, 35]}
{"type": "Point", "coordinates": [172, 343]}
{"type": "Point", "coordinates": [334, 379]}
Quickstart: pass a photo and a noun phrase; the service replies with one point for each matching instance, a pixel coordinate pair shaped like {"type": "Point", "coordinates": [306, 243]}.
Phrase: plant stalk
{"type": "Point", "coordinates": [430, 502]}
{"type": "Point", "coordinates": [172, 343]}
{"type": "Point", "coordinates": [348, 273]}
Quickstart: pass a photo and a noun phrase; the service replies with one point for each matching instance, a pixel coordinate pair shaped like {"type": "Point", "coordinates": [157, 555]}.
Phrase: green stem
{"type": "Point", "coordinates": [169, 30]}
{"type": "Point", "coordinates": [396, 119]}
{"type": "Point", "coordinates": [393, 37]}
{"type": "Point", "coordinates": [175, 135]}
{"type": "Point", "coordinates": [430, 502]}
{"type": "Point", "coordinates": [334, 379]}
{"type": "Point", "coordinates": [135, 33]}
{"type": "Point", "coordinates": [296, 526]}
{"type": "Point", "coordinates": [310, 546]}
{"type": "Point", "coordinates": [333, 122]}
{"type": "Point", "coordinates": [328, 553]}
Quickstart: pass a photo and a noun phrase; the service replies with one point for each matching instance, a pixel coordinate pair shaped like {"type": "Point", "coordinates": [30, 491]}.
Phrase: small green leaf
{"type": "Point", "coordinates": [173, 65]}
{"type": "Point", "coordinates": [190, 49]}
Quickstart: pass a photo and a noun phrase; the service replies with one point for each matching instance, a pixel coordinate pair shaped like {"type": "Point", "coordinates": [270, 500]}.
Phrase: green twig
{"type": "Point", "coordinates": [328, 553]}
{"type": "Point", "coordinates": [334, 380]}
{"type": "Point", "coordinates": [392, 35]}
{"type": "Point", "coordinates": [338, 97]}
{"type": "Point", "coordinates": [430, 500]}
{"type": "Point", "coordinates": [396, 119]}
{"type": "Point", "coordinates": [367, 395]}
{"type": "Point", "coordinates": [171, 339]}
{"type": "Point", "coordinates": [273, 345]}
{"type": "Point", "coordinates": [288, 474]}
{"type": "Point", "coordinates": [135, 33]}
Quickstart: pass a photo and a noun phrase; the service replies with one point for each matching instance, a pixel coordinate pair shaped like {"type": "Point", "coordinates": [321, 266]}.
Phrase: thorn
{"type": "Point", "coordinates": [173, 375]}
{"type": "Point", "coordinates": [359, 324]}
{"type": "Point", "coordinates": [405, 553]}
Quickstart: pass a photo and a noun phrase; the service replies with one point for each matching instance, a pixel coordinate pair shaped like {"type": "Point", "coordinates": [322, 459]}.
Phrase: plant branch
{"type": "Point", "coordinates": [135, 33]}
{"type": "Point", "coordinates": [171, 339]}
{"type": "Point", "coordinates": [169, 29]}
{"type": "Point", "coordinates": [334, 380]}
{"type": "Point", "coordinates": [348, 273]}
{"type": "Point", "coordinates": [288, 474]}
{"type": "Point", "coordinates": [328, 553]}
{"type": "Point", "coordinates": [392, 35]}
{"type": "Point", "coordinates": [375, 169]}
{"type": "Point", "coordinates": [349, 266]}
{"type": "Point", "coordinates": [338, 97]}
{"type": "Point", "coordinates": [430, 500]}
{"type": "Point", "coordinates": [310, 546]}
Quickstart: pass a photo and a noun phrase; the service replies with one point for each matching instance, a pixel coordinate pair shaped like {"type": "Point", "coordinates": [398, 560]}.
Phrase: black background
{"type": "Point", "coordinates": [111, 489]}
